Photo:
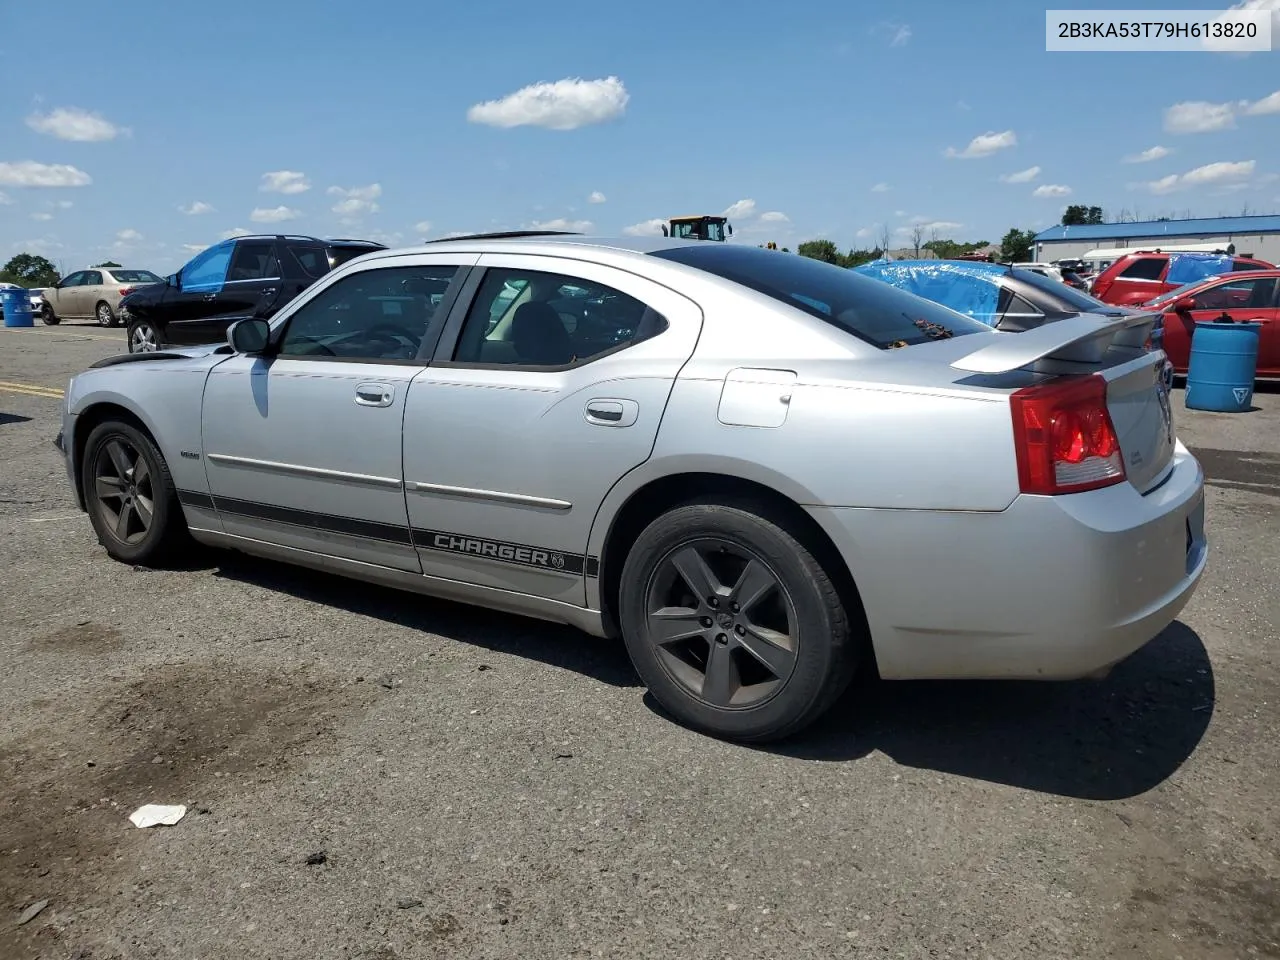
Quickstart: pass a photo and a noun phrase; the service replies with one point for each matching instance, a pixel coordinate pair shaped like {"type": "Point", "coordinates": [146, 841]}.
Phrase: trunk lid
{"type": "Point", "coordinates": [1114, 348]}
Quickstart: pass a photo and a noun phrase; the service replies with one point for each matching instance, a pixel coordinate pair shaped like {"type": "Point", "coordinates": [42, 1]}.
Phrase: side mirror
{"type": "Point", "coordinates": [175, 279]}
{"type": "Point", "coordinates": [729, 227]}
{"type": "Point", "coordinates": [249, 336]}
{"type": "Point", "coordinates": [1184, 304]}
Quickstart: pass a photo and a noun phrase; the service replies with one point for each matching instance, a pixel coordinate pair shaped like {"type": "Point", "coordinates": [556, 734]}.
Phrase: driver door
{"type": "Point", "coordinates": [63, 297]}
{"type": "Point", "coordinates": [303, 447]}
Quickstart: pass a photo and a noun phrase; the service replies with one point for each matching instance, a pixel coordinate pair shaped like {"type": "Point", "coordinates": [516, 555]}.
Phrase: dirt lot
{"type": "Point", "coordinates": [375, 775]}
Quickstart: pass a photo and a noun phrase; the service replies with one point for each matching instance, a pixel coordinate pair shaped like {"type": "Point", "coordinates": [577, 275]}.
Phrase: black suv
{"type": "Point", "coordinates": [240, 277]}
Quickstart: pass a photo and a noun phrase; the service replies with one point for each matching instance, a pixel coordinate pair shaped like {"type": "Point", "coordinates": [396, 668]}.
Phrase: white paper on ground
{"type": "Point", "coordinates": [158, 814]}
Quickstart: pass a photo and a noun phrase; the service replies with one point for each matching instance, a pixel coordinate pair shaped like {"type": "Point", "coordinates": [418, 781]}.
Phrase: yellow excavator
{"type": "Point", "coordinates": [698, 227]}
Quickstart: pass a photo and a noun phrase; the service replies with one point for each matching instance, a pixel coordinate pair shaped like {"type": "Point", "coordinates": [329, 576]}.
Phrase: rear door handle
{"type": "Point", "coordinates": [375, 394]}
{"type": "Point", "coordinates": [612, 413]}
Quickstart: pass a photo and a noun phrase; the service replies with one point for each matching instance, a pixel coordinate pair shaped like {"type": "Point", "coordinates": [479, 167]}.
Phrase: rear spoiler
{"type": "Point", "coordinates": [1085, 338]}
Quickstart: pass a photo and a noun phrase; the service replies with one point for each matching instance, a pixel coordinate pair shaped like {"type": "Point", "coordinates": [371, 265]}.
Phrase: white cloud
{"type": "Point", "coordinates": [284, 181]}
{"type": "Point", "coordinates": [1225, 174]}
{"type": "Point", "coordinates": [1221, 45]}
{"type": "Point", "coordinates": [866, 232]}
{"type": "Point", "coordinates": [1198, 116]}
{"type": "Point", "coordinates": [42, 216]}
{"type": "Point", "coordinates": [774, 216]}
{"type": "Point", "coordinates": [72, 123]}
{"type": "Point", "coordinates": [1022, 176]}
{"type": "Point", "coordinates": [880, 188]}
{"type": "Point", "coordinates": [196, 208]}
{"type": "Point", "coordinates": [4, 198]}
{"type": "Point", "coordinates": [1146, 156]}
{"type": "Point", "coordinates": [596, 197]}
{"type": "Point", "coordinates": [896, 33]}
{"type": "Point", "coordinates": [63, 204]}
{"type": "Point", "coordinates": [647, 228]}
{"type": "Point", "coordinates": [962, 105]}
{"type": "Point", "coordinates": [901, 34]}
{"type": "Point", "coordinates": [560, 223]}
{"type": "Point", "coordinates": [356, 200]}
{"type": "Point", "coordinates": [274, 214]}
{"type": "Point", "coordinates": [984, 144]}
{"type": "Point", "coordinates": [386, 239]}
{"type": "Point", "coordinates": [233, 232]}
{"type": "Point", "coordinates": [1268, 104]}
{"type": "Point", "coordinates": [927, 227]}
{"type": "Point", "coordinates": [195, 247]}
{"type": "Point", "coordinates": [740, 210]}
{"type": "Point", "coordinates": [129, 236]}
{"type": "Point", "coordinates": [1051, 190]}
{"type": "Point", "coordinates": [422, 226]}
{"type": "Point", "coordinates": [29, 173]}
{"type": "Point", "coordinates": [563, 105]}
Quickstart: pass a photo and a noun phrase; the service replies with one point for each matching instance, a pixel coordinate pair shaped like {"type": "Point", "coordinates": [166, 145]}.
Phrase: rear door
{"type": "Point", "coordinates": [547, 387]}
{"type": "Point", "coordinates": [90, 292]}
{"type": "Point", "coordinates": [1235, 300]}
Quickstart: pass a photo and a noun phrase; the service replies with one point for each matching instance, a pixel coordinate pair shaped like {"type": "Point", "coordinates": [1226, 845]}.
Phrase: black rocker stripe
{"type": "Point", "coordinates": [444, 541]}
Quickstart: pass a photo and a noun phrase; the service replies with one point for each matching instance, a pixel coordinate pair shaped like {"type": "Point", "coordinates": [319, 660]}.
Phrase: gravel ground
{"type": "Point", "coordinates": [376, 775]}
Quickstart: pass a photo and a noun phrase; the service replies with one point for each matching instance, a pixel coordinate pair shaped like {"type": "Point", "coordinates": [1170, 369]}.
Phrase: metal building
{"type": "Point", "coordinates": [1250, 236]}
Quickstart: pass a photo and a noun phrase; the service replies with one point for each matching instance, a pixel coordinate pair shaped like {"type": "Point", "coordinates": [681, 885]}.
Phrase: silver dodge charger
{"type": "Point", "coordinates": [762, 471]}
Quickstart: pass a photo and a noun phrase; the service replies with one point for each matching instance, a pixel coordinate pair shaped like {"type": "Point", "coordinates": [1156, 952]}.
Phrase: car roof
{"type": "Point", "coordinates": [512, 243]}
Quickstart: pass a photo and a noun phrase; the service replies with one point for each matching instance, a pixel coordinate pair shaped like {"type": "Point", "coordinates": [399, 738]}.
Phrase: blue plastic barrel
{"type": "Point", "coordinates": [1223, 364]}
{"type": "Point", "coordinates": [17, 307]}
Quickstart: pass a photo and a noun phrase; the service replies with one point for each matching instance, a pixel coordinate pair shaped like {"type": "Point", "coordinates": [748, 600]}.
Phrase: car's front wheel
{"type": "Point", "coordinates": [143, 337]}
{"type": "Point", "coordinates": [47, 316]}
{"type": "Point", "coordinates": [733, 624]}
{"type": "Point", "coordinates": [105, 315]}
{"type": "Point", "coordinates": [130, 495]}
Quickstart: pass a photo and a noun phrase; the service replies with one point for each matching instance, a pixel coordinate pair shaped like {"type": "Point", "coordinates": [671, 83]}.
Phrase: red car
{"type": "Point", "coordinates": [1138, 277]}
{"type": "Point", "coordinates": [1249, 296]}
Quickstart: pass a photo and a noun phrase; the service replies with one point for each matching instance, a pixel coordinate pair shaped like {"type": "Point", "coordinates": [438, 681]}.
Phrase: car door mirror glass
{"type": "Point", "coordinates": [249, 336]}
{"type": "Point", "coordinates": [1184, 304]}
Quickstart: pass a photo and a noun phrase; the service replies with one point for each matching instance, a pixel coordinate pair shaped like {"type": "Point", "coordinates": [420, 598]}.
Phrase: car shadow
{"type": "Point", "coordinates": [1090, 739]}
{"type": "Point", "coordinates": [1231, 469]}
{"type": "Point", "coordinates": [6, 418]}
{"type": "Point", "coordinates": [548, 643]}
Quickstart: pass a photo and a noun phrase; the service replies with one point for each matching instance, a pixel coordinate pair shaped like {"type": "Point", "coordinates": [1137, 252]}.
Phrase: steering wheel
{"type": "Point", "coordinates": [392, 332]}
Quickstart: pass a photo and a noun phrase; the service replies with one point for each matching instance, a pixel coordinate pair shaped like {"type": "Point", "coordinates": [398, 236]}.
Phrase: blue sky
{"type": "Point", "coordinates": [182, 122]}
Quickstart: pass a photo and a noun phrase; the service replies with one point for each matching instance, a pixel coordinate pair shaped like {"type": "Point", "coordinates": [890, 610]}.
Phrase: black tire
{"type": "Point", "coordinates": [823, 648]}
{"type": "Point", "coordinates": [139, 332]}
{"type": "Point", "coordinates": [104, 315]}
{"type": "Point", "coordinates": [167, 529]}
{"type": "Point", "coordinates": [48, 317]}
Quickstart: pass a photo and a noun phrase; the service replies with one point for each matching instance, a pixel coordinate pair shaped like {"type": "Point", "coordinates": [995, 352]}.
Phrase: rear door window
{"type": "Point", "coordinates": [253, 261]}
{"type": "Point", "coordinates": [1144, 268]}
{"type": "Point", "coordinates": [312, 260]}
{"type": "Point", "coordinates": [871, 310]}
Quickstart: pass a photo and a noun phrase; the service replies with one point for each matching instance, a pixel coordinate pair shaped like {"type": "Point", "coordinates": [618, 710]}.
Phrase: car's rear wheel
{"type": "Point", "coordinates": [130, 495]}
{"type": "Point", "coordinates": [48, 317]}
{"type": "Point", "coordinates": [105, 315]}
{"type": "Point", "coordinates": [732, 623]}
{"type": "Point", "coordinates": [143, 337]}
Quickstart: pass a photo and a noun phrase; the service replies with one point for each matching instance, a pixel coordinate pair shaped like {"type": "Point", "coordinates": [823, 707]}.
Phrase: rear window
{"type": "Point", "coordinates": [1246, 265]}
{"type": "Point", "coordinates": [1144, 268]}
{"type": "Point", "coordinates": [311, 259]}
{"type": "Point", "coordinates": [1077, 299]}
{"type": "Point", "coordinates": [135, 276]}
{"type": "Point", "coordinates": [869, 309]}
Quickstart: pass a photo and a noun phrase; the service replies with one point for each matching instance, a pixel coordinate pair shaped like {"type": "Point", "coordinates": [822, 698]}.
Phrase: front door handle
{"type": "Point", "coordinates": [612, 413]}
{"type": "Point", "coordinates": [211, 296]}
{"type": "Point", "coordinates": [374, 394]}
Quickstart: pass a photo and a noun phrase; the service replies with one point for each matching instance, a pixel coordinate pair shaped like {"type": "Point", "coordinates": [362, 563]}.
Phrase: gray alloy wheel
{"type": "Point", "coordinates": [106, 317]}
{"type": "Point", "coordinates": [124, 491]}
{"type": "Point", "coordinates": [142, 337]}
{"type": "Point", "coordinates": [733, 623]}
{"type": "Point", "coordinates": [721, 623]}
{"type": "Point", "coordinates": [129, 493]}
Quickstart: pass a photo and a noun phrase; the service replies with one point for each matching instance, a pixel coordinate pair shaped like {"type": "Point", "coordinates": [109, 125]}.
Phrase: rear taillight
{"type": "Point", "coordinates": [1064, 437]}
{"type": "Point", "coordinates": [125, 291]}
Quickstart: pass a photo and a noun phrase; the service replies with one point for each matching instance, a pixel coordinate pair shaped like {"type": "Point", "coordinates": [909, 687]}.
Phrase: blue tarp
{"type": "Point", "coordinates": [968, 287]}
{"type": "Point", "coordinates": [1190, 267]}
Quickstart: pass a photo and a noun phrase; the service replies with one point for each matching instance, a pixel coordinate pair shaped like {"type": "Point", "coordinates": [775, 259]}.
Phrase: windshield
{"type": "Point", "coordinates": [869, 309]}
{"type": "Point", "coordinates": [135, 276]}
{"type": "Point", "coordinates": [1175, 293]}
{"type": "Point", "coordinates": [1077, 299]}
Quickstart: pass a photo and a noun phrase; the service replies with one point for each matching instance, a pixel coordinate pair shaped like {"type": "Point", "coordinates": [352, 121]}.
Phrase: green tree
{"type": "Point", "coordinates": [108, 263]}
{"type": "Point", "coordinates": [950, 249]}
{"type": "Point", "coordinates": [29, 270]}
{"type": "Point", "coordinates": [824, 250]}
{"type": "Point", "coordinates": [1016, 245]}
{"type": "Point", "coordinates": [1078, 214]}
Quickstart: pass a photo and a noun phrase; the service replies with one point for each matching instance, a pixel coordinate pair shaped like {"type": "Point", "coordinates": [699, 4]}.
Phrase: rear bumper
{"type": "Point", "coordinates": [1052, 588]}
